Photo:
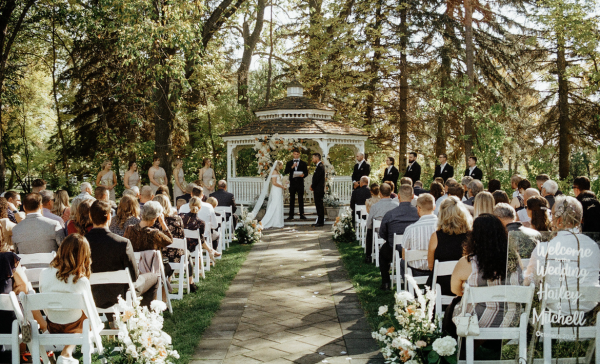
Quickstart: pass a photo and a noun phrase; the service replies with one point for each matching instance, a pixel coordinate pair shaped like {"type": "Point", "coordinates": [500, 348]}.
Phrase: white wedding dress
{"type": "Point", "coordinates": [274, 216]}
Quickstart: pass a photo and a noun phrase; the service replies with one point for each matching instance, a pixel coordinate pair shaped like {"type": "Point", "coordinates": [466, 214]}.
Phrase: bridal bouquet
{"type": "Point", "coordinates": [342, 229]}
{"type": "Point", "coordinates": [417, 338]}
{"type": "Point", "coordinates": [140, 333]}
{"type": "Point", "coordinates": [285, 181]}
{"type": "Point", "coordinates": [249, 230]}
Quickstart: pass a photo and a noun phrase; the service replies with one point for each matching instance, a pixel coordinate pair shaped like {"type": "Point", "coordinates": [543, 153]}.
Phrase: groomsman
{"type": "Point", "coordinates": [300, 169]}
{"type": "Point", "coordinates": [443, 170]}
{"type": "Point", "coordinates": [318, 188]}
{"type": "Point", "coordinates": [413, 170]}
{"type": "Point", "coordinates": [473, 171]}
{"type": "Point", "coordinates": [391, 173]}
{"type": "Point", "coordinates": [361, 168]}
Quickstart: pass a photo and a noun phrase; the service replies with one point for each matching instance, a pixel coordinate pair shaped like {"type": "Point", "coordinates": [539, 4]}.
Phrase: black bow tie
{"type": "Point", "coordinates": [296, 160]}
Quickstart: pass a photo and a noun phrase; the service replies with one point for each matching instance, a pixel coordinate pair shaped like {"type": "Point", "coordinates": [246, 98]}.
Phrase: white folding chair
{"type": "Point", "coordinates": [162, 282]}
{"type": "Point", "coordinates": [357, 221]}
{"type": "Point", "coordinates": [442, 269]}
{"type": "Point", "coordinates": [363, 227]}
{"type": "Point", "coordinates": [228, 230]}
{"type": "Point", "coordinates": [67, 301]}
{"type": "Point", "coordinates": [586, 294]}
{"type": "Point", "coordinates": [9, 302]}
{"type": "Point", "coordinates": [196, 255]}
{"type": "Point", "coordinates": [37, 259]}
{"type": "Point", "coordinates": [377, 242]}
{"type": "Point", "coordinates": [221, 230]}
{"type": "Point", "coordinates": [181, 269]}
{"type": "Point", "coordinates": [508, 294]}
{"type": "Point", "coordinates": [115, 277]}
{"type": "Point", "coordinates": [413, 256]}
{"type": "Point", "coordinates": [395, 275]}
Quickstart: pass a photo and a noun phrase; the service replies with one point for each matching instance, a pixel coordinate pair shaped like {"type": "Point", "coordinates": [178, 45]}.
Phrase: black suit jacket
{"type": "Point", "coordinates": [477, 173]}
{"type": "Point", "coordinates": [392, 176]}
{"type": "Point", "coordinates": [224, 198]}
{"type": "Point", "coordinates": [359, 196]}
{"type": "Point", "coordinates": [418, 191]}
{"type": "Point", "coordinates": [318, 180]}
{"type": "Point", "coordinates": [364, 170]}
{"type": "Point", "coordinates": [448, 172]}
{"type": "Point", "coordinates": [110, 252]}
{"type": "Point", "coordinates": [187, 197]}
{"type": "Point", "coordinates": [297, 182]}
{"type": "Point", "coordinates": [414, 173]}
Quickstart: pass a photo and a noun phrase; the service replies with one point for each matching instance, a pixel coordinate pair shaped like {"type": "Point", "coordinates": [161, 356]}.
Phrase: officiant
{"type": "Point", "coordinates": [297, 170]}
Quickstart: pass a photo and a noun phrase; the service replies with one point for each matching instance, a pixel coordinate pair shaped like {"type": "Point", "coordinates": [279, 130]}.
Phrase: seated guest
{"type": "Point", "coordinates": [549, 189]}
{"type": "Point", "coordinates": [191, 221]}
{"type": "Point", "coordinates": [146, 194]}
{"type": "Point", "coordinates": [494, 185]}
{"type": "Point", "coordinates": [180, 202]}
{"type": "Point", "coordinates": [86, 194]}
{"type": "Point", "coordinates": [213, 202]}
{"type": "Point", "coordinates": [557, 255]}
{"type": "Point", "coordinates": [36, 234]}
{"type": "Point", "coordinates": [519, 202]}
{"type": "Point", "coordinates": [111, 252]}
{"type": "Point", "coordinates": [69, 272]}
{"type": "Point", "coordinates": [514, 184]}
{"type": "Point", "coordinates": [100, 193]}
{"type": "Point", "coordinates": [540, 180]}
{"type": "Point", "coordinates": [527, 238]}
{"type": "Point", "coordinates": [133, 192]}
{"type": "Point", "coordinates": [175, 226]}
{"type": "Point", "coordinates": [591, 207]}
{"type": "Point", "coordinates": [6, 227]}
{"type": "Point", "coordinates": [538, 212]}
{"type": "Point", "coordinates": [449, 182]}
{"type": "Point", "coordinates": [48, 205]}
{"type": "Point", "coordinates": [14, 202]}
{"type": "Point", "coordinates": [454, 224]}
{"type": "Point", "coordinates": [378, 211]}
{"type": "Point", "coordinates": [188, 193]}
{"type": "Point", "coordinates": [439, 180]}
{"type": "Point", "coordinates": [162, 190]}
{"type": "Point", "coordinates": [38, 185]}
{"type": "Point", "coordinates": [419, 188]}
{"type": "Point", "coordinates": [360, 195]}
{"type": "Point", "coordinates": [206, 214]}
{"type": "Point", "coordinates": [224, 198]}
{"type": "Point", "coordinates": [394, 222]}
{"type": "Point", "coordinates": [474, 188]}
{"type": "Point", "coordinates": [522, 214]}
{"type": "Point", "coordinates": [484, 265]}
{"type": "Point", "coordinates": [465, 184]}
{"type": "Point", "coordinates": [500, 197]}
{"type": "Point", "coordinates": [393, 196]}
{"type": "Point", "coordinates": [417, 235]}
{"type": "Point", "coordinates": [81, 223]}
{"type": "Point", "coordinates": [374, 197]}
{"type": "Point", "coordinates": [128, 213]}
{"type": "Point", "coordinates": [143, 236]}
{"type": "Point", "coordinates": [436, 190]}
{"type": "Point", "coordinates": [483, 204]}
{"type": "Point", "coordinates": [406, 181]}
{"type": "Point", "coordinates": [61, 206]}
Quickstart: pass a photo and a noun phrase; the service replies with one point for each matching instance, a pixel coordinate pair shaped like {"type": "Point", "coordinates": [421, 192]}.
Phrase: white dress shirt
{"type": "Point", "coordinates": [471, 169]}
{"type": "Point", "coordinates": [442, 166]}
{"type": "Point", "coordinates": [416, 237]}
{"type": "Point", "coordinates": [438, 203]}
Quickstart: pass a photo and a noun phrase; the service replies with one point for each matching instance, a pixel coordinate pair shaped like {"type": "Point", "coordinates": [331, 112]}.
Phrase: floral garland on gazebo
{"type": "Point", "coordinates": [266, 145]}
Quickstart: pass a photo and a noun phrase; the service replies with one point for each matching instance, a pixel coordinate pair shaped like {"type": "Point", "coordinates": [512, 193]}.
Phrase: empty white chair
{"type": "Point", "coordinates": [196, 255]}
{"type": "Point", "coordinates": [395, 276]}
{"type": "Point", "coordinates": [363, 227]}
{"type": "Point", "coordinates": [442, 269]}
{"type": "Point", "coordinates": [8, 302]}
{"type": "Point", "coordinates": [357, 220]}
{"type": "Point", "coordinates": [68, 301]}
{"type": "Point", "coordinates": [377, 241]}
{"type": "Point", "coordinates": [221, 230]}
{"type": "Point", "coordinates": [181, 274]}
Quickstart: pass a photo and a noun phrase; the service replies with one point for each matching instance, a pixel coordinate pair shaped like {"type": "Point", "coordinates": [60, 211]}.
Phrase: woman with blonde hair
{"type": "Point", "coordinates": [128, 213]}
{"type": "Point", "coordinates": [483, 204]}
{"type": "Point", "coordinates": [192, 222]}
{"type": "Point", "coordinates": [107, 178]}
{"type": "Point", "coordinates": [82, 223]}
{"type": "Point", "coordinates": [446, 244]}
{"type": "Point", "coordinates": [61, 206]}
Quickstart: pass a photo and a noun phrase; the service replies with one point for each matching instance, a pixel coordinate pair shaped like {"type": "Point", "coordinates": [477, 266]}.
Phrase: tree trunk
{"type": "Point", "coordinates": [313, 64]}
{"type": "Point", "coordinates": [446, 69]}
{"type": "Point", "coordinates": [163, 125]}
{"type": "Point", "coordinates": [403, 105]}
{"type": "Point", "coordinates": [270, 68]}
{"type": "Point", "coordinates": [564, 129]}
{"type": "Point", "coordinates": [469, 56]}
{"type": "Point", "coordinates": [250, 41]}
{"type": "Point", "coordinates": [375, 64]}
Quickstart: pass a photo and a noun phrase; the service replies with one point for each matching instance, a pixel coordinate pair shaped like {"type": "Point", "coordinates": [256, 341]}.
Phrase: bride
{"type": "Point", "coordinates": [274, 216]}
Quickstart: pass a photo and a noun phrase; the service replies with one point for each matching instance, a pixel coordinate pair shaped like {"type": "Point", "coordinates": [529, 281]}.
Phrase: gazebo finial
{"type": "Point", "coordinates": [295, 88]}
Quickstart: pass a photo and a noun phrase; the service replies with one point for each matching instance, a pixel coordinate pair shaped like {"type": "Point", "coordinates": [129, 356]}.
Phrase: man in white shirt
{"type": "Point", "coordinates": [449, 181]}
{"type": "Point", "coordinates": [417, 235]}
{"type": "Point", "coordinates": [522, 214]}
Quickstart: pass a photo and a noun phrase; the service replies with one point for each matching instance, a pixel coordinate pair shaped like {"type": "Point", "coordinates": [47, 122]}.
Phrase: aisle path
{"type": "Point", "coordinates": [291, 302]}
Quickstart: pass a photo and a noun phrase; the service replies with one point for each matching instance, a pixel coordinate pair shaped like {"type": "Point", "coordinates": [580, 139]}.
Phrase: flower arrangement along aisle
{"type": "Point", "coordinates": [140, 334]}
{"type": "Point", "coordinates": [342, 229]}
{"type": "Point", "coordinates": [248, 230]}
{"type": "Point", "coordinates": [417, 338]}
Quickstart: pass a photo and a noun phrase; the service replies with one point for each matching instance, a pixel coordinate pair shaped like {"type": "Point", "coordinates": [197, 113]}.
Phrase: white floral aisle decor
{"type": "Point", "coordinates": [342, 229]}
{"type": "Point", "coordinates": [248, 230]}
{"type": "Point", "coordinates": [140, 333]}
{"type": "Point", "coordinates": [411, 335]}
{"type": "Point", "coordinates": [265, 146]}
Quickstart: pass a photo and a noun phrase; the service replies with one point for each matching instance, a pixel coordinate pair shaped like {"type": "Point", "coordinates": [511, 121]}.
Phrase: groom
{"type": "Point", "coordinates": [318, 188]}
{"type": "Point", "coordinates": [297, 170]}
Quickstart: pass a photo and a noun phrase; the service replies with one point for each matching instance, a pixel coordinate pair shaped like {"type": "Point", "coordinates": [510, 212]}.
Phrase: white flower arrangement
{"type": "Point", "coordinates": [248, 230]}
{"type": "Point", "coordinates": [266, 145]}
{"type": "Point", "coordinates": [343, 228]}
{"type": "Point", "coordinates": [417, 338]}
{"type": "Point", "coordinates": [140, 333]}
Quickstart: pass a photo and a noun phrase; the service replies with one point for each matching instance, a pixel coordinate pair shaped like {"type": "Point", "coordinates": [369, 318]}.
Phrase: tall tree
{"type": "Point", "coordinates": [250, 40]}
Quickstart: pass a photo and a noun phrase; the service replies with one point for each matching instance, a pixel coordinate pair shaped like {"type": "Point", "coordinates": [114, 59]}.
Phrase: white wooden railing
{"type": "Point", "coordinates": [342, 186]}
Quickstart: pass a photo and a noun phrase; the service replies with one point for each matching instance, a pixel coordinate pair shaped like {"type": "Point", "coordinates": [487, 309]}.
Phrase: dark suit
{"type": "Point", "coordinates": [413, 172]}
{"type": "Point", "coordinates": [476, 174]}
{"type": "Point", "coordinates": [318, 187]}
{"type": "Point", "coordinates": [419, 190]}
{"type": "Point", "coordinates": [296, 186]}
{"type": "Point", "coordinates": [359, 196]}
{"type": "Point", "coordinates": [226, 199]}
{"type": "Point", "coordinates": [111, 252]}
{"type": "Point", "coordinates": [448, 172]}
{"type": "Point", "coordinates": [187, 197]}
{"type": "Point", "coordinates": [364, 170]}
{"type": "Point", "coordinates": [392, 176]}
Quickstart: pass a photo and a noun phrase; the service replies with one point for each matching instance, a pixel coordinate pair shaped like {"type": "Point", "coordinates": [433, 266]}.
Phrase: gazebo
{"type": "Point", "coordinates": [294, 116]}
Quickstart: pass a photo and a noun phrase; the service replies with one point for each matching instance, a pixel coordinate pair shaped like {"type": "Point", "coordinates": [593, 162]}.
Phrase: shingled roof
{"type": "Point", "coordinates": [295, 103]}
{"type": "Point", "coordinates": [295, 126]}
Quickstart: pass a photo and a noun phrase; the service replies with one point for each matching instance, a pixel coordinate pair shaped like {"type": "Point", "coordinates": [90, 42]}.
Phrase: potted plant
{"type": "Point", "coordinates": [332, 205]}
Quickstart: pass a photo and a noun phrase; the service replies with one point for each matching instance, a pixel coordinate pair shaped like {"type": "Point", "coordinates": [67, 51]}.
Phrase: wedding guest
{"type": "Point", "coordinates": [6, 227]}
{"type": "Point", "coordinates": [465, 181]}
{"type": "Point", "coordinates": [591, 207]}
{"type": "Point", "coordinates": [61, 206]}
{"type": "Point", "coordinates": [537, 211]}
{"type": "Point", "coordinates": [48, 205]}
{"type": "Point", "coordinates": [69, 272]}
{"type": "Point", "coordinates": [522, 214]}
{"type": "Point", "coordinates": [494, 185]}
{"type": "Point", "coordinates": [378, 211]}
{"type": "Point", "coordinates": [188, 192]}
{"type": "Point", "coordinates": [374, 197]}
{"type": "Point", "coordinates": [450, 182]}
{"type": "Point", "coordinates": [413, 170]}
{"type": "Point", "coordinates": [393, 195]}
{"type": "Point", "coordinates": [206, 214]}
{"type": "Point", "coordinates": [107, 178]}
{"type": "Point", "coordinates": [391, 173]}
{"type": "Point", "coordinates": [454, 224]}
{"type": "Point", "coordinates": [439, 180]}
{"type": "Point", "coordinates": [360, 196]}
{"type": "Point", "coordinates": [144, 236]}
{"type": "Point", "coordinates": [514, 184]}
{"type": "Point", "coordinates": [406, 181]}
{"type": "Point", "coordinates": [81, 223]}
{"type": "Point", "coordinates": [473, 170]}
{"type": "Point", "coordinates": [146, 195]}
{"type": "Point", "coordinates": [394, 222]}
{"type": "Point", "coordinates": [157, 176]}
{"type": "Point", "coordinates": [418, 187]}
{"type": "Point", "coordinates": [540, 180]}
{"type": "Point", "coordinates": [361, 169]}
{"type": "Point", "coordinates": [226, 199]}
{"type": "Point", "coordinates": [162, 190]}
{"type": "Point", "coordinates": [500, 197]}
{"type": "Point", "coordinates": [101, 193]}
{"type": "Point", "coordinates": [180, 202]}
{"type": "Point", "coordinates": [475, 187]}
{"type": "Point", "coordinates": [86, 194]}
{"type": "Point", "coordinates": [443, 170]}
{"type": "Point", "coordinates": [207, 177]}
{"type": "Point", "coordinates": [519, 203]}
{"type": "Point", "coordinates": [418, 235]}
{"type": "Point", "coordinates": [38, 185]}
{"type": "Point", "coordinates": [436, 190]}
{"type": "Point", "coordinates": [192, 222]}
{"type": "Point", "coordinates": [549, 189]}
{"type": "Point", "coordinates": [507, 215]}
{"type": "Point", "coordinates": [128, 213]}
{"type": "Point", "coordinates": [483, 204]}
{"type": "Point", "coordinates": [179, 179]}
{"type": "Point", "coordinates": [14, 202]}
{"type": "Point", "coordinates": [36, 233]}
{"type": "Point", "coordinates": [132, 177]}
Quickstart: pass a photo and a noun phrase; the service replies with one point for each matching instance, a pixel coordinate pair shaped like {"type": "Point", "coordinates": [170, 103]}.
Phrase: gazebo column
{"type": "Point", "coordinates": [324, 145]}
{"type": "Point", "coordinates": [234, 162]}
{"type": "Point", "coordinates": [229, 156]}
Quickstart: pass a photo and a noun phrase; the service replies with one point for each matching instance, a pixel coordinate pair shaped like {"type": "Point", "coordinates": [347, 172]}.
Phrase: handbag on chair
{"type": "Point", "coordinates": [466, 324]}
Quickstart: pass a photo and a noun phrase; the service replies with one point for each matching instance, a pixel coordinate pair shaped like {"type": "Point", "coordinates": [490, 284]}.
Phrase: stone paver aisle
{"type": "Point", "coordinates": [291, 302]}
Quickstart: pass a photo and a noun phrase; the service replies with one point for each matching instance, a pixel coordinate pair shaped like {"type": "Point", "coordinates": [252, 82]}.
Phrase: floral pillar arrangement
{"type": "Point", "coordinates": [266, 145]}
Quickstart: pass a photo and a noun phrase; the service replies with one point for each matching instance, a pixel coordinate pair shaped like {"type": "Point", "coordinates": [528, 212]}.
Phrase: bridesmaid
{"type": "Point", "coordinates": [179, 185]}
{"type": "Point", "coordinates": [207, 177]}
{"type": "Point", "coordinates": [132, 177]}
{"type": "Point", "coordinates": [107, 178]}
{"type": "Point", "coordinates": [157, 175]}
